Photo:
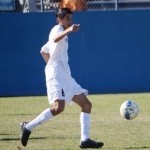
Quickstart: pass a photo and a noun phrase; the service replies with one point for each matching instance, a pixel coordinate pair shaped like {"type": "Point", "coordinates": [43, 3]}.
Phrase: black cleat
{"type": "Point", "coordinates": [25, 134]}
{"type": "Point", "coordinates": [91, 144]}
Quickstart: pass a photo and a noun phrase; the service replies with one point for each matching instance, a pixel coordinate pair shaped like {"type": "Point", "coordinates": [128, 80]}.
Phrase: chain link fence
{"type": "Point", "coordinates": [25, 6]}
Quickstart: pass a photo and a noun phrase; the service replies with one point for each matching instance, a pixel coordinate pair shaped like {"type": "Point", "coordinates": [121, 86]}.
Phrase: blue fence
{"type": "Point", "coordinates": [110, 53]}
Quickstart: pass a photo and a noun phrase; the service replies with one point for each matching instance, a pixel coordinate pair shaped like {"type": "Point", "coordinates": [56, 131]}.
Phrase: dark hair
{"type": "Point", "coordinates": [61, 12]}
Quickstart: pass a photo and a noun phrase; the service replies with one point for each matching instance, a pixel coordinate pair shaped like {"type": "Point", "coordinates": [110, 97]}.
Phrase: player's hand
{"type": "Point", "coordinates": [74, 27]}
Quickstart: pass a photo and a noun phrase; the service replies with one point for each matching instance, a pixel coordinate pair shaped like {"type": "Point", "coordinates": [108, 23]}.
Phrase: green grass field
{"type": "Point", "coordinates": [63, 131]}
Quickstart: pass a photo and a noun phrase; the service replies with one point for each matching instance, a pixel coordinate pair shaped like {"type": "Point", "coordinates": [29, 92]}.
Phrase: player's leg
{"type": "Point", "coordinates": [57, 98]}
{"type": "Point", "coordinates": [26, 127]}
{"type": "Point", "coordinates": [86, 107]}
{"type": "Point", "coordinates": [57, 107]}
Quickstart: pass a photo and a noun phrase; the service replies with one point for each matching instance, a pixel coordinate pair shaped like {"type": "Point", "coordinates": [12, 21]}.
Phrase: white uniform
{"type": "Point", "coordinates": [60, 84]}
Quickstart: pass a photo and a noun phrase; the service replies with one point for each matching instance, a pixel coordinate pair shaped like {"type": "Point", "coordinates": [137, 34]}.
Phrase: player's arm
{"type": "Point", "coordinates": [73, 28]}
{"type": "Point", "coordinates": [45, 56]}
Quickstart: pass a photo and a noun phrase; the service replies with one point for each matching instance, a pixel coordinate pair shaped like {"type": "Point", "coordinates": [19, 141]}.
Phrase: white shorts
{"type": "Point", "coordinates": [63, 89]}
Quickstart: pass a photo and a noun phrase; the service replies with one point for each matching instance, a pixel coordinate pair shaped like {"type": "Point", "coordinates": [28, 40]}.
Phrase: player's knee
{"type": "Point", "coordinates": [59, 109]}
{"type": "Point", "coordinates": [87, 107]}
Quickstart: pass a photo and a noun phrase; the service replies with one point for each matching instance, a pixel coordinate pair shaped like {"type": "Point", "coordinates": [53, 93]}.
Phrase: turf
{"type": "Point", "coordinates": [63, 131]}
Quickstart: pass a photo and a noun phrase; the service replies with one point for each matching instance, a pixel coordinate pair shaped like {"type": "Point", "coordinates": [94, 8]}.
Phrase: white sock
{"type": "Point", "coordinates": [85, 125]}
{"type": "Point", "coordinates": [44, 116]}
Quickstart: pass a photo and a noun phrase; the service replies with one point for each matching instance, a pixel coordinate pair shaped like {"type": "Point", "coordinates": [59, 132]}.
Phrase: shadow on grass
{"type": "Point", "coordinates": [143, 147]}
{"type": "Point", "coordinates": [16, 139]}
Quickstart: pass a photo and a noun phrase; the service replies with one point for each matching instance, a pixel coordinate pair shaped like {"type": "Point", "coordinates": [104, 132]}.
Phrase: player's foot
{"type": "Point", "coordinates": [91, 144]}
{"type": "Point", "coordinates": [25, 134]}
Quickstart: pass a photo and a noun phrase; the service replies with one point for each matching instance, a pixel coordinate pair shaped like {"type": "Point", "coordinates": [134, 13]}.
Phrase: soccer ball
{"type": "Point", "coordinates": [129, 109]}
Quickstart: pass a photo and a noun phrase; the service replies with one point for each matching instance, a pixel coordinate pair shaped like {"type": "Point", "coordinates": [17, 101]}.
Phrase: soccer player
{"type": "Point", "coordinates": [61, 87]}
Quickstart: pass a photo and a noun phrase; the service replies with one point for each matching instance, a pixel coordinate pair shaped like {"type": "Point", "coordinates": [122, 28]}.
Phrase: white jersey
{"type": "Point", "coordinates": [57, 65]}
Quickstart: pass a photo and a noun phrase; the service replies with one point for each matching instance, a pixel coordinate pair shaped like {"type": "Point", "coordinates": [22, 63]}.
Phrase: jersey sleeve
{"type": "Point", "coordinates": [55, 31]}
{"type": "Point", "coordinates": [46, 48]}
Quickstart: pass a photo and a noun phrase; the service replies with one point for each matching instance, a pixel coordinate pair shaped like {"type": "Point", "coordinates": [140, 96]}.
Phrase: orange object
{"type": "Point", "coordinates": [74, 5]}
